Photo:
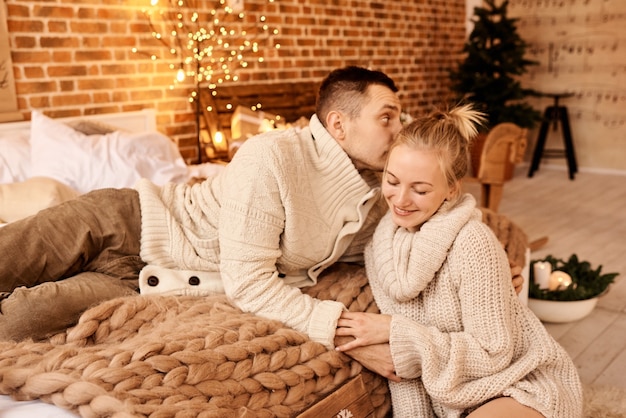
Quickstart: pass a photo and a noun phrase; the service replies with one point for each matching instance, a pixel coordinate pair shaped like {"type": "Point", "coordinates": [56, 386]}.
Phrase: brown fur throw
{"type": "Point", "coordinates": [163, 356]}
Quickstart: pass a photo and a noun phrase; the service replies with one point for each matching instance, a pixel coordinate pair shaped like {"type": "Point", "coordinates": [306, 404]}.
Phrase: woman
{"type": "Point", "coordinates": [462, 343]}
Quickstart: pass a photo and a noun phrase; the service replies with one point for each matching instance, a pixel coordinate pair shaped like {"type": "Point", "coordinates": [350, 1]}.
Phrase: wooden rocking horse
{"type": "Point", "coordinates": [504, 146]}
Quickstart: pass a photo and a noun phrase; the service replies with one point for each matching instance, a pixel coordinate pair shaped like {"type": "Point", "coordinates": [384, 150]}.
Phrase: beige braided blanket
{"type": "Point", "coordinates": [512, 237]}
{"type": "Point", "coordinates": [199, 357]}
{"type": "Point", "coordinates": [164, 356]}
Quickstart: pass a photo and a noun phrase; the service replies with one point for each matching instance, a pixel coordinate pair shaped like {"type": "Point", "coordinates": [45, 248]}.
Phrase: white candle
{"type": "Point", "coordinates": [542, 270]}
{"type": "Point", "coordinates": [559, 280]}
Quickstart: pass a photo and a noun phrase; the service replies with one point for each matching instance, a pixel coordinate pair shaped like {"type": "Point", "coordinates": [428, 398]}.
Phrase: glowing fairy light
{"type": "Point", "coordinates": [209, 44]}
{"type": "Point", "coordinates": [206, 47]}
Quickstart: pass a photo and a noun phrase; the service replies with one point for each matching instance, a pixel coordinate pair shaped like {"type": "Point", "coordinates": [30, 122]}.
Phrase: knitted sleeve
{"type": "Point", "coordinates": [467, 364]}
{"type": "Point", "coordinates": [252, 221]}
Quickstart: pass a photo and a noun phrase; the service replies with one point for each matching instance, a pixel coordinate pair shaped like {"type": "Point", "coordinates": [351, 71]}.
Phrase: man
{"type": "Point", "coordinates": [288, 205]}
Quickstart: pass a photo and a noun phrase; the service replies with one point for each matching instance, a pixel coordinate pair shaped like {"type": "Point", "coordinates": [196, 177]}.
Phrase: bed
{"type": "Point", "coordinates": [166, 356]}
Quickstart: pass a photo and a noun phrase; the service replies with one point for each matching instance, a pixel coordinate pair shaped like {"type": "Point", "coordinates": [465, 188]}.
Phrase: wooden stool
{"type": "Point", "coordinates": [555, 114]}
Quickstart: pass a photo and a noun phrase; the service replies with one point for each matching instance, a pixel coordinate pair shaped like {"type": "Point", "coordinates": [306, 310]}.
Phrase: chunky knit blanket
{"type": "Point", "coordinates": [167, 356]}
{"type": "Point", "coordinates": [511, 236]}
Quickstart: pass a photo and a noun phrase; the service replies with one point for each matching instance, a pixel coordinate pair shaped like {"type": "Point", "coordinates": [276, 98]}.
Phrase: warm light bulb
{"type": "Point", "coordinates": [180, 75]}
{"type": "Point", "coordinates": [219, 137]}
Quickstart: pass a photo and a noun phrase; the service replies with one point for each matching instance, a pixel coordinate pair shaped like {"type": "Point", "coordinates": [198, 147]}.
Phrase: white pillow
{"type": "Point", "coordinates": [14, 156]}
{"type": "Point", "coordinates": [88, 162]}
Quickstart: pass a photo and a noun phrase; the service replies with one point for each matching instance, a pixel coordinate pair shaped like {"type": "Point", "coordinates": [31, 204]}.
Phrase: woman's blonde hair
{"type": "Point", "coordinates": [448, 133]}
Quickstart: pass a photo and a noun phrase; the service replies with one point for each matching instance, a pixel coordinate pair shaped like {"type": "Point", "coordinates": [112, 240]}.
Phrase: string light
{"type": "Point", "coordinates": [210, 44]}
{"type": "Point", "coordinates": [180, 75]}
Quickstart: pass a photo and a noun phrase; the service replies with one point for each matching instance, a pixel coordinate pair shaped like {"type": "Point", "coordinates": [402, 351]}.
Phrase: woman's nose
{"type": "Point", "coordinates": [402, 197]}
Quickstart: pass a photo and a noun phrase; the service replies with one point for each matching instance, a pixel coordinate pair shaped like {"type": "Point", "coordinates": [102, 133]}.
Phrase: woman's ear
{"type": "Point", "coordinates": [335, 125]}
{"type": "Point", "coordinates": [454, 191]}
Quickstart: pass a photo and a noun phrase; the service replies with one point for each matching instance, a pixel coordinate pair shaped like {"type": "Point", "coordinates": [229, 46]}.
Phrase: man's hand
{"type": "Point", "coordinates": [376, 358]}
{"type": "Point", "coordinates": [518, 279]}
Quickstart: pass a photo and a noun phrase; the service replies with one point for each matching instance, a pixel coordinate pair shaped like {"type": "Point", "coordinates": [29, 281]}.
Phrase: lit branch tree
{"type": "Point", "coordinates": [208, 41]}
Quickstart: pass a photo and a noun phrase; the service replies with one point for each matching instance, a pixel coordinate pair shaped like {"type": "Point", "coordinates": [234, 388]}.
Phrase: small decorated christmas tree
{"type": "Point", "coordinates": [489, 74]}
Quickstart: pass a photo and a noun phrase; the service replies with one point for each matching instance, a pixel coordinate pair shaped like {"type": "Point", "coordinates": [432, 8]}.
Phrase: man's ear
{"type": "Point", "coordinates": [335, 125]}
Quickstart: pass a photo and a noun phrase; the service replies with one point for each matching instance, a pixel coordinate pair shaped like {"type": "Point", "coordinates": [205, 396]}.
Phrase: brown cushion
{"type": "Point", "coordinates": [22, 199]}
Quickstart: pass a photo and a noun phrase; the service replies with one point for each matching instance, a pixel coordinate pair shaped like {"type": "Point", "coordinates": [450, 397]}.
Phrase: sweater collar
{"type": "Point", "coordinates": [417, 257]}
{"type": "Point", "coordinates": [333, 158]}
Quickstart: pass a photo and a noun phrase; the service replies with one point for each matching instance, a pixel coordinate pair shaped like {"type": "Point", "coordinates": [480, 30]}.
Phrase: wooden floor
{"type": "Point", "coordinates": [585, 216]}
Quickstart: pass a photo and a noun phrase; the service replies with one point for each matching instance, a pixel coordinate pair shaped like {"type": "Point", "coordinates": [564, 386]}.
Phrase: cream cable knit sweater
{"type": "Point", "coordinates": [287, 206]}
{"type": "Point", "coordinates": [459, 335]}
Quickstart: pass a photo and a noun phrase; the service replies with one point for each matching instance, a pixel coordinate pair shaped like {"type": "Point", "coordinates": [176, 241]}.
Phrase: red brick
{"type": "Point", "coordinates": [62, 56]}
{"type": "Point", "coordinates": [71, 100]}
{"type": "Point", "coordinates": [67, 85]}
{"type": "Point", "coordinates": [95, 84]}
{"type": "Point", "coordinates": [36, 87]}
{"type": "Point", "coordinates": [57, 26]}
{"type": "Point", "coordinates": [58, 42]}
{"type": "Point", "coordinates": [24, 42]}
{"type": "Point", "coordinates": [92, 55]}
{"type": "Point", "coordinates": [66, 71]}
{"type": "Point", "coordinates": [39, 102]}
{"type": "Point", "coordinates": [34, 72]}
{"type": "Point", "coordinates": [53, 11]}
{"type": "Point", "coordinates": [30, 57]}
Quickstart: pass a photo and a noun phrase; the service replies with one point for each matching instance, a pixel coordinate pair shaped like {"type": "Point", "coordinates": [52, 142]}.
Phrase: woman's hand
{"type": "Point", "coordinates": [518, 279]}
{"type": "Point", "coordinates": [366, 328]}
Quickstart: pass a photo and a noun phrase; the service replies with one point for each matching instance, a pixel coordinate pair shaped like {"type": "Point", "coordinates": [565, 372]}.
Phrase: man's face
{"type": "Point", "coordinates": [368, 137]}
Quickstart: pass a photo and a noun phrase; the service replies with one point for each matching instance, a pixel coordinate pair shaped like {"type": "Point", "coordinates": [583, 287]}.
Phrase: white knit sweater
{"type": "Point", "coordinates": [287, 206]}
{"type": "Point", "coordinates": [459, 334]}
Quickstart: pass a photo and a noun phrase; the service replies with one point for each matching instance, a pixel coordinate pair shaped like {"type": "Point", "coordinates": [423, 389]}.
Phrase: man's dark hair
{"type": "Point", "coordinates": [343, 90]}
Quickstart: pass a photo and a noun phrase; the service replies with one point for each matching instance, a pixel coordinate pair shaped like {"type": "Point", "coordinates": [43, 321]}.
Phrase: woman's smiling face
{"type": "Point", "coordinates": [414, 186]}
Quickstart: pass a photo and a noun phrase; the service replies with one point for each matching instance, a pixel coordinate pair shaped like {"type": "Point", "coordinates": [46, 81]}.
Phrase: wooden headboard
{"type": "Point", "coordinates": [289, 100]}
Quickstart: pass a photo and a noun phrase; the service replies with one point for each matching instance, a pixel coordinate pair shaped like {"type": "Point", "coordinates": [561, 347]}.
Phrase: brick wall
{"type": "Point", "coordinates": [73, 57]}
